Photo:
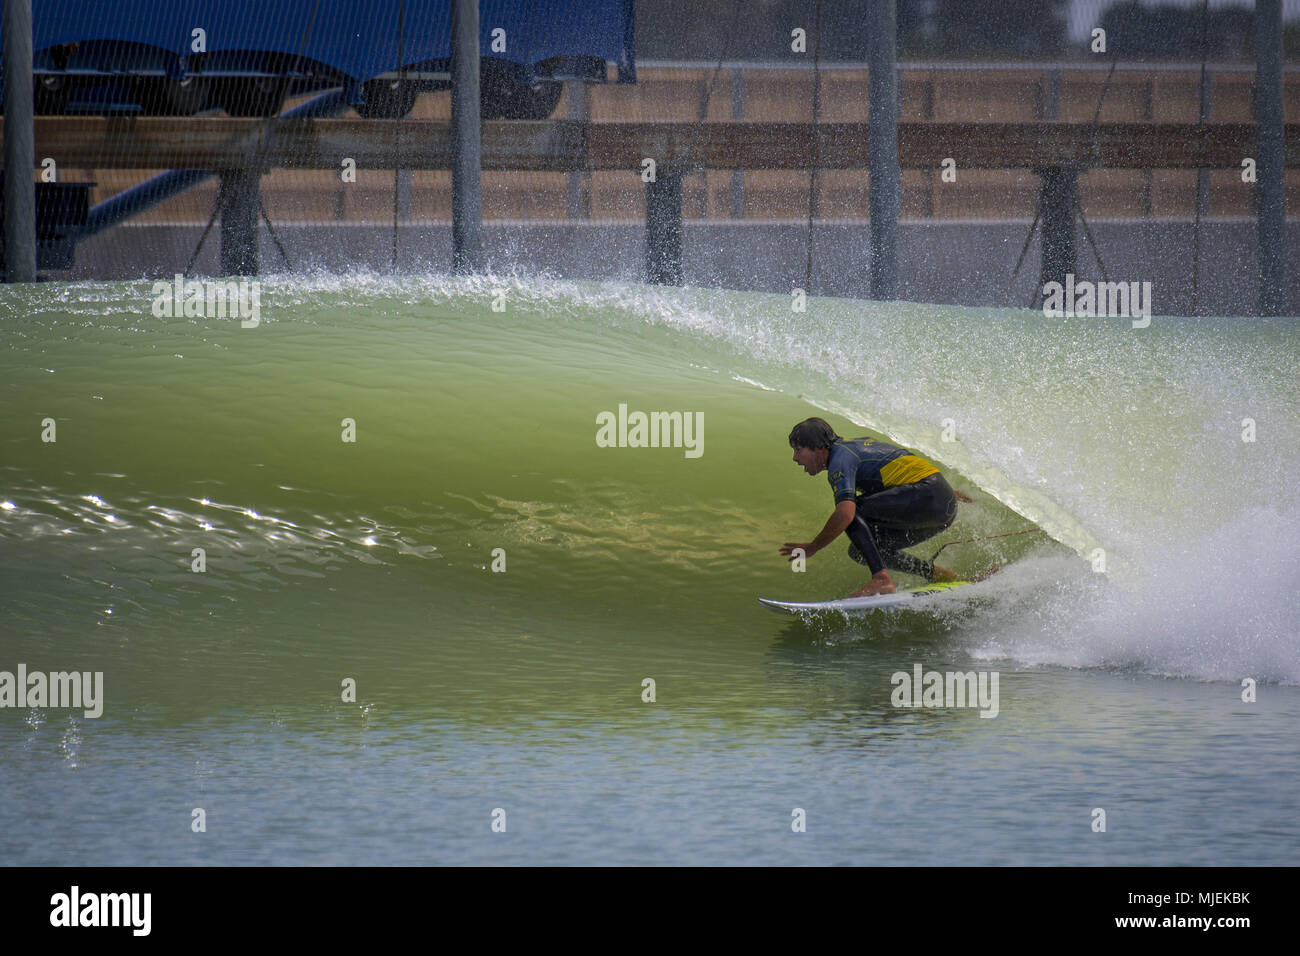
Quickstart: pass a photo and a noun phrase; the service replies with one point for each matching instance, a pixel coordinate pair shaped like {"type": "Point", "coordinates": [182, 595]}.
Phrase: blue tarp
{"type": "Point", "coordinates": [357, 37]}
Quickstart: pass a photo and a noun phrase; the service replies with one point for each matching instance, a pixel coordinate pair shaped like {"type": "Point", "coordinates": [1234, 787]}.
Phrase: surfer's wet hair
{"type": "Point", "coordinates": [813, 433]}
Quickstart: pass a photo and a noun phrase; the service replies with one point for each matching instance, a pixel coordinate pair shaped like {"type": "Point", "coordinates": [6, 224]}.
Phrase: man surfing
{"type": "Point", "coordinates": [886, 499]}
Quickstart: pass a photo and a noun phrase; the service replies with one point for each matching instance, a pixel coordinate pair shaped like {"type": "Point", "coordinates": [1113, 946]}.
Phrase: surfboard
{"type": "Point", "coordinates": [904, 598]}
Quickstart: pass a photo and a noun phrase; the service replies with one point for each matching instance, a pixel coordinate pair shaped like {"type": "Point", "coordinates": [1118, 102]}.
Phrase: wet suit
{"type": "Point", "coordinates": [901, 500]}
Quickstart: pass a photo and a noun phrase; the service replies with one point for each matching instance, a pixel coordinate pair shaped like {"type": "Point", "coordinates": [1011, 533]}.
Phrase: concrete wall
{"type": "Point", "coordinates": [965, 263]}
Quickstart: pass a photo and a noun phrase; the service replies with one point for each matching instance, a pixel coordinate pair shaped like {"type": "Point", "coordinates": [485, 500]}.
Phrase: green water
{"type": "Point", "coordinates": [380, 560]}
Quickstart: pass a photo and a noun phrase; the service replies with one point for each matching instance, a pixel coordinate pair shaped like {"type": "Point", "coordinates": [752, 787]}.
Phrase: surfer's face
{"type": "Point", "coordinates": [812, 459]}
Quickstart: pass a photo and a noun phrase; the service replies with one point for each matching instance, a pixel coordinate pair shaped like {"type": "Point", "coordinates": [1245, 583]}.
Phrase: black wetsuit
{"type": "Point", "coordinates": [901, 500]}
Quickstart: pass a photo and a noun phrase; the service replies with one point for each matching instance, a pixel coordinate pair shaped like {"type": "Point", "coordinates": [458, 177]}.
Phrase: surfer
{"type": "Point", "coordinates": [886, 499]}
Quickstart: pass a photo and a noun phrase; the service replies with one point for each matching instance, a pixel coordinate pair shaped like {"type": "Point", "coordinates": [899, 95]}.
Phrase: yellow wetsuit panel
{"type": "Point", "coordinates": [905, 470]}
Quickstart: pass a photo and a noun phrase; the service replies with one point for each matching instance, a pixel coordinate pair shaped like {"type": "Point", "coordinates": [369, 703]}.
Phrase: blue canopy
{"type": "Point", "coordinates": [357, 37]}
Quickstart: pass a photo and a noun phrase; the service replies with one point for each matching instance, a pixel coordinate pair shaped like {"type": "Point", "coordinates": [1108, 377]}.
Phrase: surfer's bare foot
{"type": "Point", "coordinates": [942, 574]}
{"type": "Point", "coordinates": [880, 583]}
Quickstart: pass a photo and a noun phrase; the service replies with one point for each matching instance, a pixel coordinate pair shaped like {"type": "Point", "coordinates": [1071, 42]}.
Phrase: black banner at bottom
{"type": "Point", "coordinates": [333, 906]}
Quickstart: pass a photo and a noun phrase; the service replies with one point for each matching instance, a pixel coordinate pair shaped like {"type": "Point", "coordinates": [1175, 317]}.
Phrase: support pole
{"type": "Point", "coordinates": [737, 113]}
{"type": "Point", "coordinates": [577, 203]}
{"type": "Point", "coordinates": [886, 183]}
{"type": "Point", "coordinates": [1202, 180]}
{"type": "Point", "coordinates": [20, 144]}
{"type": "Point", "coordinates": [1056, 202]}
{"type": "Point", "coordinates": [1052, 96]}
{"type": "Point", "coordinates": [237, 198]}
{"type": "Point", "coordinates": [1203, 117]}
{"type": "Point", "coordinates": [466, 140]}
{"type": "Point", "coordinates": [1271, 188]}
{"type": "Point", "coordinates": [663, 229]}
{"type": "Point", "coordinates": [404, 195]}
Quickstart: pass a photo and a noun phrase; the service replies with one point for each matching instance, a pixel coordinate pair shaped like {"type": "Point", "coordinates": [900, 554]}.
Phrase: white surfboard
{"type": "Point", "coordinates": [910, 596]}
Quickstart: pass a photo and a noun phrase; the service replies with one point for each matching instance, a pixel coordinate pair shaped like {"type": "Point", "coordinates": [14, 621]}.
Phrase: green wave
{"type": "Point", "coordinates": [476, 443]}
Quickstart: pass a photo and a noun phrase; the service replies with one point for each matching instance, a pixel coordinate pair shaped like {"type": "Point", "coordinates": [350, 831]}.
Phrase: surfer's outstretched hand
{"type": "Point", "coordinates": [962, 497]}
{"type": "Point", "coordinates": [789, 547]}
